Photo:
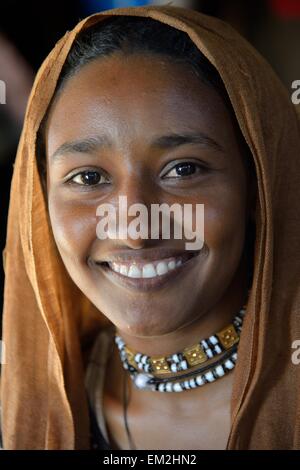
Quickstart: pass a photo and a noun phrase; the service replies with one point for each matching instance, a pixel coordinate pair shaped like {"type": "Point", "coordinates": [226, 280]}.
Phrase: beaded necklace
{"type": "Point", "coordinates": [165, 374]}
{"type": "Point", "coordinates": [187, 369]}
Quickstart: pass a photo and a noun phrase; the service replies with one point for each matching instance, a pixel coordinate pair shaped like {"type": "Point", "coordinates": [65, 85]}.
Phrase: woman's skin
{"type": "Point", "coordinates": [132, 100]}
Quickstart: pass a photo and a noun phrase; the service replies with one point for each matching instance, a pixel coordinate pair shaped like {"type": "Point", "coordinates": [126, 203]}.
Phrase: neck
{"type": "Point", "coordinates": [206, 324]}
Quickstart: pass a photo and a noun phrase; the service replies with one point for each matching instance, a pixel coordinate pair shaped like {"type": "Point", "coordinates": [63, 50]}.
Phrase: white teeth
{"type": "Point", "coordinates": [149, 270]}
{"type": "Point", "coordinates": [116, 267]}
{"type": "Point", "coordinates": [161, 268]}
{"type": "Point", "coordinates": [171, 264]}
{"type": "Point", "coordinates": [123, 270]}
{"type": "Point", "coordinates": [134, 271]}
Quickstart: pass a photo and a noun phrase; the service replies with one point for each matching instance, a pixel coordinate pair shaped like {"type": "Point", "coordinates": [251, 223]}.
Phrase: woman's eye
{"type": "Point", "coordinates": [183, 169]}
{"type": "Point", "coordinates": [89, 178]}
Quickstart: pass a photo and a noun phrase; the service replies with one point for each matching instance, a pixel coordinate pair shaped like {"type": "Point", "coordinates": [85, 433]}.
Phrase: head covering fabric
{"type": "Point", "coordinates": [48, 323]}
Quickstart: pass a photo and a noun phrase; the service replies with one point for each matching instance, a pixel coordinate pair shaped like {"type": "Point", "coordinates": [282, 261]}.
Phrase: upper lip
{"type": "Point", "coordinates": [144, 255]}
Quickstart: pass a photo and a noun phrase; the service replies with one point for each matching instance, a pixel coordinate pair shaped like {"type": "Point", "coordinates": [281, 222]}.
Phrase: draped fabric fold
{"type": "Point", "coordinates": [49, 325]}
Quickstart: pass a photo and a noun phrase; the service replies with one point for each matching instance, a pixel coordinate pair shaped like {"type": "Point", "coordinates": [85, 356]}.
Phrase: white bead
{"type": "Point", "coordinates": [173, 367]}
{"type": "Point", "coordinates": [169, 387]}
{"type": "Point", "coordinates": [219, 370]}
{"type": "Point", "coordinates": [161, 387]}
{"type": "Point", "coordinates": [141, 380]}
{"type": "Point", "coordinates": [234, 356]}
{"type": "Point", "coordinates": [119, 341]}
{"type": "Point", "coordinates": [183, 365]}
{"type": "Point", "coordinates": [204, 343]}
{"type": "Point", "coordinates": [229, 364]}
{"type": "Point", "coordinates": [199, 380]}
{"type": "Point", "coordinates": [186, 383]}
{"type": "Point", "coordinates": [213, 340]}
{"type": "Point", "coordinates": [144, 359]}
{"type": "Point", "coordinates": [218, 349]}
{"type": "Point", "coordinates": [175, 358]}
{"type": "Point", "coordinates": [177, 387]}
{"type": "Point", "coordinates": [209, 353]}
{"type": "Point", "coordinates": [209, 376]}
{"type": "Point", "coordinates": [192, 383]}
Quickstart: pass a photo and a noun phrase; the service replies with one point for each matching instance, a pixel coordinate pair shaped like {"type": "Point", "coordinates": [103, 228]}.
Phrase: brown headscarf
{"type": "Point", "coordinates": [49, 324]}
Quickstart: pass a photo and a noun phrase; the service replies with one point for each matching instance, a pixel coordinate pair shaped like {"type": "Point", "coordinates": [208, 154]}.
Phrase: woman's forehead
{"type": "Point", "coordinates": [135, 95]}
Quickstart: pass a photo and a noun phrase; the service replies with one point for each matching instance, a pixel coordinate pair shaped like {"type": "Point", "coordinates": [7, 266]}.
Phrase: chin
{"type": "Point", "coordinates": [144, 326]}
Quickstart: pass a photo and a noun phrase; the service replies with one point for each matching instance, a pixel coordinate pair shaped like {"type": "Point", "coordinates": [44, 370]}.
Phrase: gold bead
{"type": "Point", "coordinates": [194, 355]}
{"type": "Point", "coordinates": [228, 337]}
{"type": "Point", "coordinates": [159, 365]}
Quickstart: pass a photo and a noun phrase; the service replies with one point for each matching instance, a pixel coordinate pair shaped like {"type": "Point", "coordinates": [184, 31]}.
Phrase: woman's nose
{"type": "Point", "coordinates": [132, 211]}
{"type": "Point", "coordinates": [139, 198]}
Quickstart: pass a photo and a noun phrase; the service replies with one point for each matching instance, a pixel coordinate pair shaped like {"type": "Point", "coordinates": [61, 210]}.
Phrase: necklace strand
{"type": "Point", "coordinates": [199, 353]}
{"type": "Point", "coordinates": [193, 377]}
{"type": "Point", "coordinates": [201, 376]}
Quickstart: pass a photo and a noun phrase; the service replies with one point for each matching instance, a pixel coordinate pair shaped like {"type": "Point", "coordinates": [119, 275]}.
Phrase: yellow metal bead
{"type": "Point", "coordinates": [228, 337]}
{"type": "Point", "coordinates": [160, 365]}
{"type": "Point", "coordinates": [195, 355]}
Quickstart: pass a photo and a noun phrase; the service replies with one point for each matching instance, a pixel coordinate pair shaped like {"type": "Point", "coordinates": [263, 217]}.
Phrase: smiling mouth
{"type": "Point", "coordinates": [146, 275]}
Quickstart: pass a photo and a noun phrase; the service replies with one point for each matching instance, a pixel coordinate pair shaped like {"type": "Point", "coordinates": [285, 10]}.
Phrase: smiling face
{"type": "Point", "coordinates": [118, 110]}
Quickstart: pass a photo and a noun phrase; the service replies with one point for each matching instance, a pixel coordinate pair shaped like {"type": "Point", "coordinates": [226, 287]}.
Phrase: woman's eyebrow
{"type": "Point", "coordinates": [177, 139]}
{"type": "Point", "coordinates": [96, 143]}
{"type": "Point", "coordinates": [87, 145]}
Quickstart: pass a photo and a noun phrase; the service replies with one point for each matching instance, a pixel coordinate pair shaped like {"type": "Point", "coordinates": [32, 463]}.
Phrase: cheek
{"type": "Point", "coordinates": [224, 221]}
{"type": "Point", "coordinates": [74, 228]}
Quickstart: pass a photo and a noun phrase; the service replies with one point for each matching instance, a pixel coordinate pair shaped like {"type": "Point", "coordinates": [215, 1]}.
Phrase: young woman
{"type": "Point", "coordinates": [139, 343]}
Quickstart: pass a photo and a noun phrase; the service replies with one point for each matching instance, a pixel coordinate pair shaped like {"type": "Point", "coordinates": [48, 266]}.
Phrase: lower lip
{"type": "Point", "coordinates": [151, 283]}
